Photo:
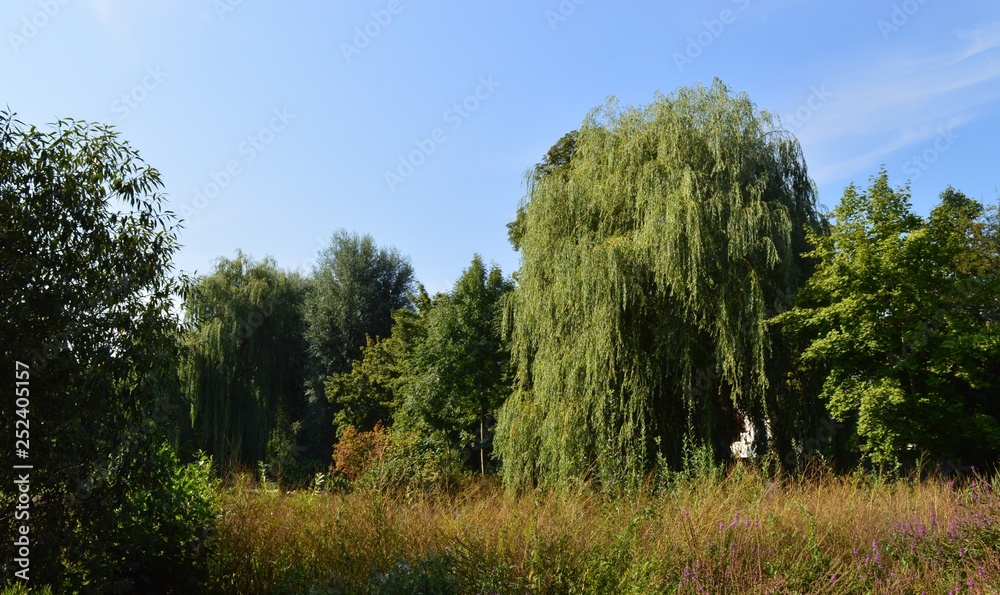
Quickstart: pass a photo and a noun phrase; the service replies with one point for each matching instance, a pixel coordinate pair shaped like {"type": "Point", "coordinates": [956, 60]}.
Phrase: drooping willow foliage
{"type": "Point", "coordinates": [654, 250]}
{"type": "Point", "coordinates": [244, 357]}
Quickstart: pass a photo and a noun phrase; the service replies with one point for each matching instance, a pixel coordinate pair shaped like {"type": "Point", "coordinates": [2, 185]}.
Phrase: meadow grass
{"type": "Point", "coordinates": [741, 533]}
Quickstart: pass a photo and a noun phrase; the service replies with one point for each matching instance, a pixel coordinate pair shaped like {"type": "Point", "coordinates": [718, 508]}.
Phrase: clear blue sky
{"type": "Point", "coordinates": [910, 84]}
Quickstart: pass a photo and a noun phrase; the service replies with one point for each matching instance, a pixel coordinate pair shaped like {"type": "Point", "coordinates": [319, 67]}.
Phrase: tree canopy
{"type": "Point", "coordinates": [245, 357]}
{"type": "Point", "coordinates": [899, 324]}
{"type": "Point", "coordinates": [85, 262]}
{"type": "Point", "coordinates": [356, 287]}
{"type": "Point", "coordinates": [463, 361]}
{"type": "Point", "coordinates": [650, 266]}
{"type": "Point", "coordinates": [442, 373]}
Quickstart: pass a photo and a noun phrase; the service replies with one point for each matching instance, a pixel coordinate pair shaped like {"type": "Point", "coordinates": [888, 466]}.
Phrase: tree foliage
{"type": "Point", "coordinates": [555, 160]}
{"type": "Point", "coordinates": [245, 357]}
{"type": "Point", "coordinates": [652, 258]}
{"type": "Point", "coordinates": [355, 287]}
{"type": "Point", "coordinates": [375, 389]}
{"type": "Point", "coordinates": [900, 324]}
{"type": "Point", "coordinates": [366, 396]}
{"type": "Point", "coordinates": [462, 368]}
{"type": "Point", "coordinates": [85, 261]}
{"type": "Point", "coordinates": [442, 373]}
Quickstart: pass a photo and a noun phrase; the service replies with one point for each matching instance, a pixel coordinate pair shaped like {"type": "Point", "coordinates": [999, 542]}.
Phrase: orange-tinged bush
{"type": "Point", "coordinates": [357, 451]}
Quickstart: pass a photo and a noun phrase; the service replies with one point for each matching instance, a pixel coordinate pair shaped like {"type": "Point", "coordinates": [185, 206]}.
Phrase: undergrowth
{"type": "Point", "coordinates": [741, 532]}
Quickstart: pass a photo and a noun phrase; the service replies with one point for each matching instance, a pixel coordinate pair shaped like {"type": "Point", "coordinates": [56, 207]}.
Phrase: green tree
{"type": "Point", "coordinates": [556, 159]}
{"type": "Point", "coordinates": [372, 391]}
{"type": "Point", "coordinates": [244, 363]}
{"type": "Point", "coordinates": [650, 266]}
{"type": "Point", "coordinates": [900, 324]}
{"type": "Point", "coordinates": [463, 365]}
{"type": "Point", "coordinates": [355, 288]}
{"type": "Point", "coordinates": [85, 261]}
{"type": "Point", "coordinates": [443, 372]}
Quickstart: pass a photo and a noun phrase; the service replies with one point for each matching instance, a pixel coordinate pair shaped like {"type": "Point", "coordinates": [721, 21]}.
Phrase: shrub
{"type": "Point", "coordinates": [412, 462]}
{"type": "Point", "coordinates": [157, 541]}
{"type": "Point", "coordinates": [357, 451]}
{"type": "Point", "coordinates": [393, 460]}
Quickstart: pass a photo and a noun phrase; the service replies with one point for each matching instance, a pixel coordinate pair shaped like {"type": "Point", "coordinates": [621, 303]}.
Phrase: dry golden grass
{"type": "Point", "coordinates": [743, 534]}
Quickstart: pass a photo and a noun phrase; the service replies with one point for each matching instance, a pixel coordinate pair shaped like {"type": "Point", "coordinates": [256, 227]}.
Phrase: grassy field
{"type": "Point", "coordinates": [744, 533]}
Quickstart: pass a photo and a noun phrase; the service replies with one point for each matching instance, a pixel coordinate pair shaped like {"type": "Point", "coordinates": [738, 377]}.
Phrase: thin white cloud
{"type": "Point", "coordinates": [836, 168]}
{"type": "Point", "coordinates": [982, 40]}
{"type": "Point", "coordinates": [903, 102]}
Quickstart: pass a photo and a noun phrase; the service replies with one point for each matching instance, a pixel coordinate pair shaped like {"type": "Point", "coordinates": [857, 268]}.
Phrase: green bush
{"type": "Point", "coordinates": [412, 462]}
{"type": "Point", "coordinates": [20, 589]}
{"type": "Point", "coordinates": [157, 540]}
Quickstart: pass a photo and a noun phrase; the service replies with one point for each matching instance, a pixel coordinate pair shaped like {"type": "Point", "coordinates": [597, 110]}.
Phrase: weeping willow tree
{"type": "Point", "coordinates": [656, 244]}
{"type": "Point", "coordinates": [243, 368]}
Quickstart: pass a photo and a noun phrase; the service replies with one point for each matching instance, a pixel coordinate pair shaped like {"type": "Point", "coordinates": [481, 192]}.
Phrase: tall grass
{"type": "Point", "coordinates": [742, 533]}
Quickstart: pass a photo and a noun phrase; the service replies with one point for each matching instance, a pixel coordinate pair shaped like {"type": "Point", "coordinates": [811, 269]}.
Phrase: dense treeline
{"type": "Point", "coordinates": [261, 344]}
{"type": "Point", "coordinates": [679, 291]}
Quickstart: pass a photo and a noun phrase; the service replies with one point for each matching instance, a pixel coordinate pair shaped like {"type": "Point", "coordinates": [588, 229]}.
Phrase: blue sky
{"type": "Point", "coordinates": [274, 124]}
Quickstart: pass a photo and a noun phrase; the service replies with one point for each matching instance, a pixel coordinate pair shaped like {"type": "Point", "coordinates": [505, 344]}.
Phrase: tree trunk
{"type": "Point", "coordinates": [482, 440]}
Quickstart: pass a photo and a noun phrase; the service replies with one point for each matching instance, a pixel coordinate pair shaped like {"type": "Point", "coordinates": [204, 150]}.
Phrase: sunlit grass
{"type": "Point", "coordinates": [743, 534]}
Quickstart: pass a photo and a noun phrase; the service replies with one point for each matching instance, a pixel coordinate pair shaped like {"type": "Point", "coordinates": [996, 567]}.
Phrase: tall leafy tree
{"type": "Point", "coordinates": [85, 276]}
{"type": "Point", "coordinates": [245, 360]}
{"type": "Point", "coordinates": [900, 324]}
{"type": "Point", "coordinates": [372, 392]}
{"type": "Point", "coordinates": [355, 287]}
{"type": "Point", "coordinates": [443, 372]}
{"type": "Point", "coordinates": [462, 368]}
{"type": "Point", "coordinates": [651, 261]}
